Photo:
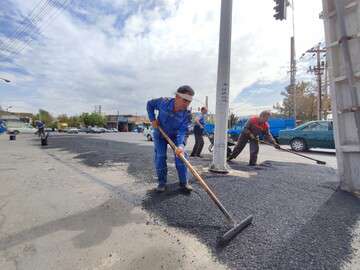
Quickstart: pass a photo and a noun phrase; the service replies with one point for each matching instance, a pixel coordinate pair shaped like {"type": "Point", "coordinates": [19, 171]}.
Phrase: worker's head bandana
{"type": "Point", "coordinates": [184, 96]}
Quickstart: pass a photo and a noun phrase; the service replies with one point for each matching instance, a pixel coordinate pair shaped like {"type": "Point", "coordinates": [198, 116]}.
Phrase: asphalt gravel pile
{"type": "Point", "coordinates": [301, 220]}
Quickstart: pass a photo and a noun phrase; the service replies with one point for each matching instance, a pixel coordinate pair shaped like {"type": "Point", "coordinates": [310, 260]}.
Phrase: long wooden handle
{"type": "Point", "coordinates": [292, 152]}
{"type": "Point", "coordinates": [198, 177]}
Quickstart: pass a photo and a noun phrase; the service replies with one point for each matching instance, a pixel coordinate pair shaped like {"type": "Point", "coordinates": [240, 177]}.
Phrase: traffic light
{"type": "Point", "coordinates": [280, 9]}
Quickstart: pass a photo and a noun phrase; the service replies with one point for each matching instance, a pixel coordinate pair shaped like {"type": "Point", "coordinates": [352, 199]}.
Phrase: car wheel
{"type": "Point", "coordinates": [16, 132]}
{"type": "Point", "coordinates": [298, 145]}
{"type": "Point", "coordinates": [149, 138]}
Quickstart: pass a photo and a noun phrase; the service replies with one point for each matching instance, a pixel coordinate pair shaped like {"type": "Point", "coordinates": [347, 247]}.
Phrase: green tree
{"type": "Point", "coordinates": [63, 118]}
{"type": "Point", "coordinates": [306, 102]}
{"type": "Point", "coordinates": [74, 121]}
{"type": "Point", "coordinates": [44, 116]}
{"type": "Point", "coordinates": [233, 119]}
{"type": "Point", "coordinates": [93, 119]}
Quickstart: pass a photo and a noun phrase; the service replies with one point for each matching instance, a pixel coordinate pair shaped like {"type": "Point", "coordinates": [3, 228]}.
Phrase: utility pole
{"type": "Point", "coordinates": [293, 74]}
{"type": "Point", "coordinates": [207, 102]}
{"type": "Point", "coordinates": [293, 62]}
{"type": "Point", "coordinates": [222, 89]}
{"type": "Point", "coordinates": [117, 120]}
{"type": "Point", "coordinates": [318, 71]}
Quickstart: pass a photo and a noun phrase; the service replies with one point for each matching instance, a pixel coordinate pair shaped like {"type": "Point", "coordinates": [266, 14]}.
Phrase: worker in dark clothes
{"type": "Point", "coordinates": [254, 127]}
{"type": "Point", "coordinates": [198, 132]}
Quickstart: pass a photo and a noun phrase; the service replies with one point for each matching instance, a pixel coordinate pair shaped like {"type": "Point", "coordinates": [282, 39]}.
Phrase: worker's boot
{"type": "Point", "coordinates": [186, 187]}
{"type": "Point", "coordinates": [160, 188]}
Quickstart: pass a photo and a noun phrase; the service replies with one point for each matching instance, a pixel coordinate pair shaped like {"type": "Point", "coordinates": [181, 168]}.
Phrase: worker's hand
{"type": "Point", "coordinates": [179, 151]}
{"type": "Point", "coordinates": [155, 124]}
{"type": "Point", "coordinates": [252, 136]}
{"type": "Point", "coordinates": [276, 145]}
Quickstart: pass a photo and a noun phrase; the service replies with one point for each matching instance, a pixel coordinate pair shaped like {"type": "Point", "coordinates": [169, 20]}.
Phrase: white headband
{"type": "Point", "coordinates": [185, 96]}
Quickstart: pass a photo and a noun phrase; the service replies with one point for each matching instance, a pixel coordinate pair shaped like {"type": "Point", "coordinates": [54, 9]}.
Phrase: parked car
{"type": "Point", "coordinates": [28, 129]}
{"type": "Point", "coordinates": [93, 130]}
{"type": "Point", "coordinates": [84, 129]}
{"type": "Point", "coordinates": [314, 134]}
{"type": "Point", "coordinates": [73, 131]}
{"type": "Point", "coordinates": [148, 133]}
{"type": "Point", "coordinates": [2, 126]}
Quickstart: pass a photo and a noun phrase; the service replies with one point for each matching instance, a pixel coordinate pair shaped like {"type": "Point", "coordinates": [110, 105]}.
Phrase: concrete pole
{"type": "Point", "coordinates": [293, 61]}
{"type": "Point", "coordinates": [319, 70]}
{"type": "Point", "coordinates": [293, 73]}
{"type": "Point", "coordinates": [222, 89]}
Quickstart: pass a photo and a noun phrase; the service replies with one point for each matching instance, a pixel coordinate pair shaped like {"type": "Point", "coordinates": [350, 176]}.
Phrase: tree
{"type": "Point", "coordinates": [233, 119]}
{"type": "Point", "coordinates": [306, 102]}
{"type": "Point", "coordinates": [74, 121]}
{"type": "Point", "coordinates": [63, 118]}
{"type": "Point", "coordinates": [44, 116]}
{"type": "Point", "coordinates": [93, 119]}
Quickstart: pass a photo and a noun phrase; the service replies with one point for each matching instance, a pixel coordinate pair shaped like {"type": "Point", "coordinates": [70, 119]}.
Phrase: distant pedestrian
{"type": "Point", "coordinates": [173, 118]}
{"type": "Point", "coordinates": [199, 127]}
{"type": "Point", "coordinates": [40, 126]}
{"type": "Point", "coordinates": [255, 126]}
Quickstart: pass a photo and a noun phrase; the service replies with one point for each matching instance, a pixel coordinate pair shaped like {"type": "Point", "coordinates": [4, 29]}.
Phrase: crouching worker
{"type": "Point", "coordinates": [173, 118]}
{"type": "Point", "coordinates": [255, 126]}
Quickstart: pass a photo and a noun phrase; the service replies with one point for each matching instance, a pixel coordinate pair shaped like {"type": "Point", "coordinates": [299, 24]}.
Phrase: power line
{"type": "Point", "coordinates": [34, 24]}
{"type": "Point", "coordinates": [30, 29]}
{"type": "Point", "coordinates": [44, 24]}
{"type": "Point", "coordinates": [25, 24]}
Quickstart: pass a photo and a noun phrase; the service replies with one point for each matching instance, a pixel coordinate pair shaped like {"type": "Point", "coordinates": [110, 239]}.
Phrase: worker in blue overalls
{"type": "Point", "coordinates": [199, 127]}
{"type": "Point", "coordinates": [173, 118]}
{"type": "Point", "coordinates": [40, 126]}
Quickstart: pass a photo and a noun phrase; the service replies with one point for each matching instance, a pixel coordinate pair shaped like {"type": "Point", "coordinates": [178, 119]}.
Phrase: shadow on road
{"type": "Point", "coordinates": [95, 225]}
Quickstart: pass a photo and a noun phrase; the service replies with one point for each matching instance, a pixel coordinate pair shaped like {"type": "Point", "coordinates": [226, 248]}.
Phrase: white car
{"type": "Point", "coordinates": [73, 131]}
{"type": "Point", "coordinates": [148, 133]}
{"type": "Point", "coordinates": [28, 129]}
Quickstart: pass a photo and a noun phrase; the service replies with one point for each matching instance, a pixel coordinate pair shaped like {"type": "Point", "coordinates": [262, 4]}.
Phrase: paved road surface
{"type": "Point", "coordinates": [85, 202]}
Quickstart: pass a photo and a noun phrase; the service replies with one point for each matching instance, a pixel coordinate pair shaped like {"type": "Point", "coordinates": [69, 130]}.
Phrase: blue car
{"type": "Point", "coordinates": [2, 126]}
{"type": "Point", "coordinates": [314, 134]}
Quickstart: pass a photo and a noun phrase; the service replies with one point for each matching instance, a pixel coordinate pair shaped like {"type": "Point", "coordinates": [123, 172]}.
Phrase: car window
{"type": "Point", "coordinates": [317, 126]}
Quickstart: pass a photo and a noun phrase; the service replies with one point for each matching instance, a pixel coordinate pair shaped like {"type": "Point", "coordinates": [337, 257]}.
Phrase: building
{"type": "Point", "coordinates": [125, 122]}
{"type": "Point", "coordinates": [15, 116]}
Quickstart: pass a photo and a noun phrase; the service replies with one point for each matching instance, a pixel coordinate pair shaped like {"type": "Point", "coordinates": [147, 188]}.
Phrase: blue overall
{"type": "Point", "coordinates": [175, 125]}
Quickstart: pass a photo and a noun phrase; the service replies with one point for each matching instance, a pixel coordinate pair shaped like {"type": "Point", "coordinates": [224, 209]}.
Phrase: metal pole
{"type": "Point", "coordinates": [292, 74]}
{"type": "Point", "coordinates": [293, 61]}
{"type": "Point", "coordinates": [319, 110]}
{"type": "Point", "coordinates": [222, 89]}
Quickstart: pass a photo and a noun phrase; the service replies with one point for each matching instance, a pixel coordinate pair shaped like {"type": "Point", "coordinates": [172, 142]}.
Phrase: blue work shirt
{"type": "Point", "coordinates": [201, 118]}
{"type": "Point", "coordinates": [175, 124]}
{"type": "Point", "coordinates": [39, 124]}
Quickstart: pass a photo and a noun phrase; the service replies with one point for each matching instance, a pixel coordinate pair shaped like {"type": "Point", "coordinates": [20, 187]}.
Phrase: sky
{"type": "Point", "coordinates": [68, 56]}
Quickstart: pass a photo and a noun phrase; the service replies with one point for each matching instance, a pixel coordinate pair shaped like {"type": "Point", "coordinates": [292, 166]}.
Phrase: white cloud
{"type": "Point", "coordinates": [78, 65]}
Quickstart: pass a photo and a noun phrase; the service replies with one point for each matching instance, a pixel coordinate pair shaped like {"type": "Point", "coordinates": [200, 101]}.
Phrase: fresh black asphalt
{"type": "Point", "coordinates": [301, 219]}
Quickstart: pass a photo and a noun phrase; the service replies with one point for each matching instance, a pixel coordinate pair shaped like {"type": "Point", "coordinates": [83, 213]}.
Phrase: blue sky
{"type": "Point", "coordinates": [74, 55]}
